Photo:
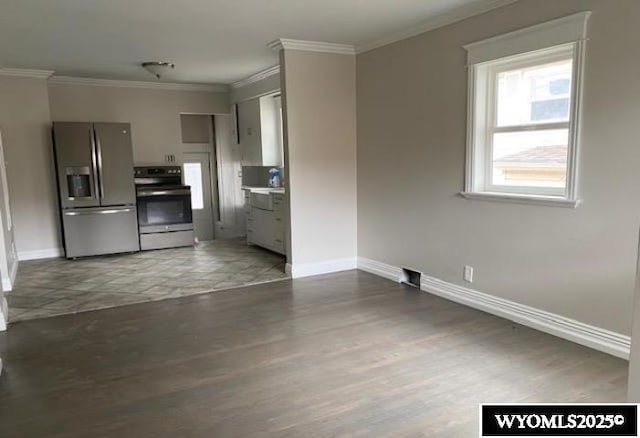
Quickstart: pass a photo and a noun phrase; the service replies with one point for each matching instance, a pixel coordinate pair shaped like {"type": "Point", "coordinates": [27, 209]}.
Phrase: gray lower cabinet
{"type": "Point", "coordinates": [266, 227]}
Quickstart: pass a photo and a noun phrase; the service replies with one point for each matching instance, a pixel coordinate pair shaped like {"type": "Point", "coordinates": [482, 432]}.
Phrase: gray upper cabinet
{"type": "Point", "coordinates": [249, 127]}
{"type": "Point", "coordinates": [115, 163]}
{"type": "Point", "coordinates": [260, 127]}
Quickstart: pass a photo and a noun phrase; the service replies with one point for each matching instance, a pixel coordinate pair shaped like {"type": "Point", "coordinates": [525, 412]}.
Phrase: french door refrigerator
{"type": "Point", "coordinates": [94, 164]}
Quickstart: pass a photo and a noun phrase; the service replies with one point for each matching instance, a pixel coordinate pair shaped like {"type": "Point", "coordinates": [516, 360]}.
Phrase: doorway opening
{"type": "Point", "coordinates": [200, 172]}
{"type": "Point", "coordinates": [212, 166]}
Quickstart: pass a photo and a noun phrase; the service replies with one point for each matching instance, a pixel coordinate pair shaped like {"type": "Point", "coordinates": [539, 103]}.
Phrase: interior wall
{"type": "Point", "coordinates": [633, 390]}
{"type": "Point", "coordinates": [412, 100]}
{"type": "Point", "coordinates": [8, 249]}
{"type": "Point", "coordinates": [320, 152]}
{"type": "Point", "coordinates": [153, 113]}
{"type": "Point", "coordinates": [195, 128]}
{"type": "Point", "coordinates": [26, 130]}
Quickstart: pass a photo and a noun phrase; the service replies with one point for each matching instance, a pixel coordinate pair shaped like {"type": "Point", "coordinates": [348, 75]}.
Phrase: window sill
{"type": "Point", "coordinates": [550, 201]}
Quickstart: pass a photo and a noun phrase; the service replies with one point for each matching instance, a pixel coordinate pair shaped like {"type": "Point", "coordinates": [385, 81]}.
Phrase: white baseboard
{"type": "Point", "coordinates": [597, 338]}
{"type": "Point", "coordinates": [8, 281]}
{"type": "Point", "coordinates": [40, 254]}
{"type": "Point", "coordinates": [325, 267]}
{"type": "Point", "coordinates": [380, 269]}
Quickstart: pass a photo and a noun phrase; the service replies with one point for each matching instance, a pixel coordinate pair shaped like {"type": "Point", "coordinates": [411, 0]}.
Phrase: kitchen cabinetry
{"type": "Point", "coordinates": [260, 128]}
{"type": "Point", "coordinates": [266, 219]}
{"type": "Point", "coordinates": [249, 128]}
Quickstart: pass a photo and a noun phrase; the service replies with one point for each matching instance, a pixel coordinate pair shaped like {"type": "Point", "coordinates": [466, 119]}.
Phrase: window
{"type": "Point", "coordinates": [524, 114]}
{"type": "Point", "coordinates": [193, 178]}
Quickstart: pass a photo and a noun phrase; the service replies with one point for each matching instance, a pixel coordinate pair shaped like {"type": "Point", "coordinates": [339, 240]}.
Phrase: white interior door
{"type": "Point", "coordinates": [197, 174]}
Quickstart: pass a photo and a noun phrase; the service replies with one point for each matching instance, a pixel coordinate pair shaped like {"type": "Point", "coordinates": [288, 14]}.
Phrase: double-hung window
{"type": "Point", "coordinates": [524, 114]}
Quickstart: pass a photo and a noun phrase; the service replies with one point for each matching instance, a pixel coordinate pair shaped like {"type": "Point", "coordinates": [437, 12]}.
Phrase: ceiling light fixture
{"type": "Point", "coordinates": [158, 68]}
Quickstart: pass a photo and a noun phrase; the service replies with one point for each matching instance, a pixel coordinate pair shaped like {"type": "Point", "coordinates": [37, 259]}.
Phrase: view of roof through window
{"type": "Point", "coordinates": [528, 98]}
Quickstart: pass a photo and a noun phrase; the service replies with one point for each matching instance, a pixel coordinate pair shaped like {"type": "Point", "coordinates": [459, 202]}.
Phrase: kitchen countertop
{"type": "Point", "coordinates": [264, 189]}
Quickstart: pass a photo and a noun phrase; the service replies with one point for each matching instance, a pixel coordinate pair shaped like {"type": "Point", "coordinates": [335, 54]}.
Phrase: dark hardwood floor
{"type": "Point", "coordinates": [346, 354]}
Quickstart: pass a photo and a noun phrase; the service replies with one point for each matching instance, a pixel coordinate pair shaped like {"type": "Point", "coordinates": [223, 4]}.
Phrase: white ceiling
{"type": "Point", "coordinates": [210, 41]}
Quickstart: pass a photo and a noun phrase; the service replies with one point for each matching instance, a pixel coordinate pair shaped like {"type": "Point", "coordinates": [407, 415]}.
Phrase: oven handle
{"type": "Point", "coordinates": [142, 194]}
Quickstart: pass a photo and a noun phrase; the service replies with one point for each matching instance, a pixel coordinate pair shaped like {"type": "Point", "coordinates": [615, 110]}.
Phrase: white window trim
{"type": "Point", "coordinates": [566, 31]}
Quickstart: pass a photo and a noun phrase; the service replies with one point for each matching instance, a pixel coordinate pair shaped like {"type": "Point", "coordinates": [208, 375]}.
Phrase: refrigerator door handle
{"type": "Point", "coordinates": [103, 211]}
{"type": "Point", "coordinates": [99, 155]}
{"type": "Point", "coordinates": [94, 165]}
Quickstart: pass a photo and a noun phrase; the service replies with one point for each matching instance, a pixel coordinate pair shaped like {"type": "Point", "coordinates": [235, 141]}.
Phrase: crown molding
{"type": "Point", "coordinates": [264, 74]}
{"type": "Point", "coordinates": [450, 17]}
{"type": "Point", "coordinates": [311, 46]}
{"type": "Point", "coordinates": [72, 80]}
{"type": "Point", "coordinates": [27, 73]}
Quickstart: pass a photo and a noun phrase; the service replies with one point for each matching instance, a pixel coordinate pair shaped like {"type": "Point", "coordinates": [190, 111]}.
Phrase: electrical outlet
{"type": "Point", "coordinates": [468, 273]}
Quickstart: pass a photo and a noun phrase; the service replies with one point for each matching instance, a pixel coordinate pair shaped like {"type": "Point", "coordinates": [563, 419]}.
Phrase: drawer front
{"type": "Point", "coordinates": [98, 231]}
{"type": "Point", "coordinates": [278, 225]}
{"type": "Point", "coordinates": [278, 205]}
{"type": "Point", "coordinates": [261, 200]}
{"type": "Point", "coordinates": [278, 245]}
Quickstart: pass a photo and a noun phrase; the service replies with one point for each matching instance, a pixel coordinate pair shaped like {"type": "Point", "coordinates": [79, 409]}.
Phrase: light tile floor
{"type": "Point", "coordinates": [57, 286]}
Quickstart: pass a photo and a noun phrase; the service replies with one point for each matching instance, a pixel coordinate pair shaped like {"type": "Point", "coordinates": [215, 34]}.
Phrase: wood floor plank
{"type": "Point", "coordinates": [346, 354]}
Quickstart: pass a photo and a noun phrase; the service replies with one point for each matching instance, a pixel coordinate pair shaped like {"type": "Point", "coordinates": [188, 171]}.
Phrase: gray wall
{"type": "Point", "coordinates": [153, 114]}
{"type": "Point", "coordinates": [26, 131]}
{"type": "Point", "coordinates": [8, 256]}
{"type": "Point", "coordinates": [320, 152]}
{"type": "Point", "coordinates": [633, 393]}
{"type": "Point", "coordinates": [195, 128]}
{"type": "Point", "coordinates": [411, 154]}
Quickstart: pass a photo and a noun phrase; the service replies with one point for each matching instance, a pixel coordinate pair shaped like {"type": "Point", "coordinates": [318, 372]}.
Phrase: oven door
{"type": "Point", "coordinates": [161, 210]}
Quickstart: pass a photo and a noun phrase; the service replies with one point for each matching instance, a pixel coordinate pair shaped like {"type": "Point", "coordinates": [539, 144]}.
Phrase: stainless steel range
{"type": "Point", "coordinates": [164, 207]}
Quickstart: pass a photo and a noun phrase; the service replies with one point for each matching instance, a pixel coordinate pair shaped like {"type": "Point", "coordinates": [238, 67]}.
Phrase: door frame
{"type": "Point", "coordinates": [212, 198]}
{"type": "Point", "coordinates": [209, 148]}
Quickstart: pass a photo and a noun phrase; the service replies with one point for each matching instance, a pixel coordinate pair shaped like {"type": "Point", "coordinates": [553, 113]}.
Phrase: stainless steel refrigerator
{"type": "Point", "coordinates": [94, 164]}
